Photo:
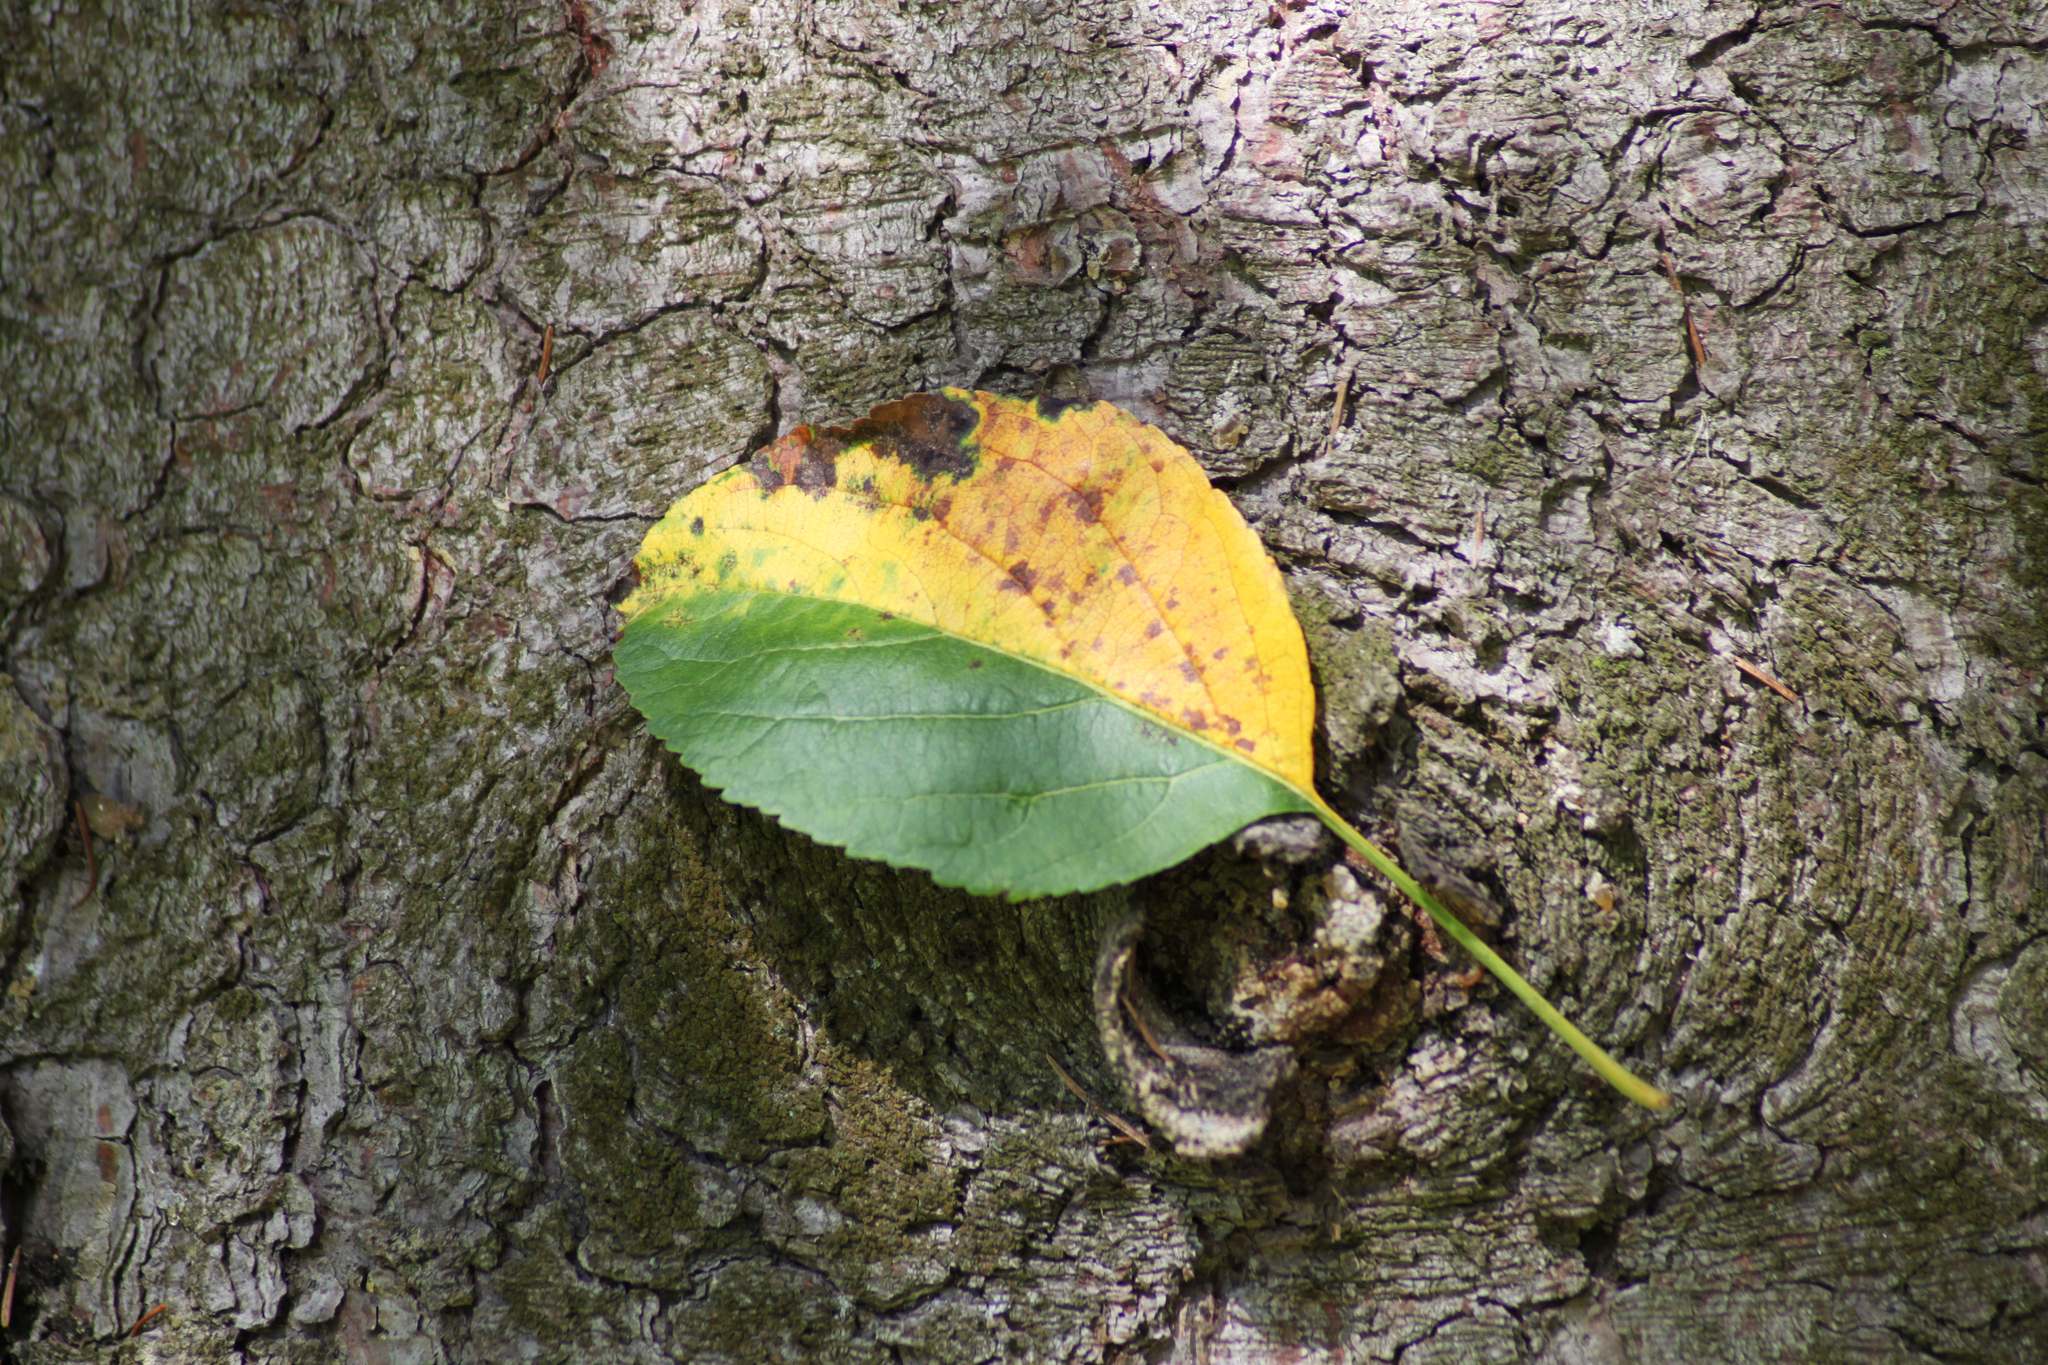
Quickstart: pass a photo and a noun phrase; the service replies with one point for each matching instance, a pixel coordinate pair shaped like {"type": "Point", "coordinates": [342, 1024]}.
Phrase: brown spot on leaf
{"type": "Point", "coordinates": [697, 527]}
{"type": "Point", "coordinates": [803, 458]}
{"type": "Point", "coordinates": [1153, 630]}
{"type": "Point", "coordinates": [1230, 724]}
{"type": "Point", "coordinates": [927, 431]}
{"type": "Point", "coordinates": [1127, 575]}
{"type": "Point", "coordinates": [1194, 719]}
{"type": "Point", "coordinates": [1247, 746]}
{"type": "Point", "coordinates": [815, 475]}
{"type": "Point", "coordinates": [1188, 673]}
{"type": "Point", "coordinates": [974, 663]}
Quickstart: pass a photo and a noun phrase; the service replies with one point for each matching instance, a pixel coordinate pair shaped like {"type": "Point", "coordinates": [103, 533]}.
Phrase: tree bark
{"type": "Point", "coordinates": [1647, 407]}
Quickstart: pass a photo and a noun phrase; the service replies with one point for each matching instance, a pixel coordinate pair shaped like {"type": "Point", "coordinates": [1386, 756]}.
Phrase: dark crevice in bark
{"type": "Point", "coordinates": [1718, 47]}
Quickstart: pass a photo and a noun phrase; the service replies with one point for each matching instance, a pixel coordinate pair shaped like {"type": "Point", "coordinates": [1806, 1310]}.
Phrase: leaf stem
{"type": "Point", "coordinates": [1611, 1071]}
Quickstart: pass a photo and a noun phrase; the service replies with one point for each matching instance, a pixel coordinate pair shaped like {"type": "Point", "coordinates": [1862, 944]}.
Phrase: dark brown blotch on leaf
{"type": "Point", "coordinates": [926, 431]}
{"type": "Point", "coordinates": [804, 458]}
{"type": "Point", "coordinates": [815, 476]}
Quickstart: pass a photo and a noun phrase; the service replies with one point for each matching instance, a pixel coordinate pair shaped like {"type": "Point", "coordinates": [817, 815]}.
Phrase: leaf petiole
{"type": "Point", "coordinates": [1611, 1071]}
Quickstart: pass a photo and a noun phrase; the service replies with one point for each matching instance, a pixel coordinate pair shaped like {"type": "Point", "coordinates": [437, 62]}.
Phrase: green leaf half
{"type": "Point", "coordinates": [901, 742]}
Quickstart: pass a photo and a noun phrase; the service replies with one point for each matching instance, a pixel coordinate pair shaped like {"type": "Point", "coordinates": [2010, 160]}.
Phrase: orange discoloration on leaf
{"type": "Point", "coordinates": [1088, 543]}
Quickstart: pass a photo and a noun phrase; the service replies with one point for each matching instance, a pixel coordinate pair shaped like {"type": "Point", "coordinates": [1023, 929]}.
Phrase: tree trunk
{"type": "Point", "coordinates": [1647, 408]}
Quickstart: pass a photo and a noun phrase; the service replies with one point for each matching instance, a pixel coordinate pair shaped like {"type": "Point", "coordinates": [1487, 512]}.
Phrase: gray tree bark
{"type": "Point", "coordinates": [1582, 367]}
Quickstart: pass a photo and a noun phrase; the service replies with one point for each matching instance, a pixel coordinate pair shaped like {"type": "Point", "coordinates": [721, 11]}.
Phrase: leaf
{"type": "Point", "coordinates": [1024, 646]}
{"type": "Point", "coordinates": [1031, 652]}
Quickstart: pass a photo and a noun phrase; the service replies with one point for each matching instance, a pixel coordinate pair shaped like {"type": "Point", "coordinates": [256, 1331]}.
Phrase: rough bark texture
{"type": "Point", "coordinates": [410, 1005]}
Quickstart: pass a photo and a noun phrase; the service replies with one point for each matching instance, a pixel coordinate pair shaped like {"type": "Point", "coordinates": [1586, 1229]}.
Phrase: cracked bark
{"type": "Point", "coordinates": [434, 1014]}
